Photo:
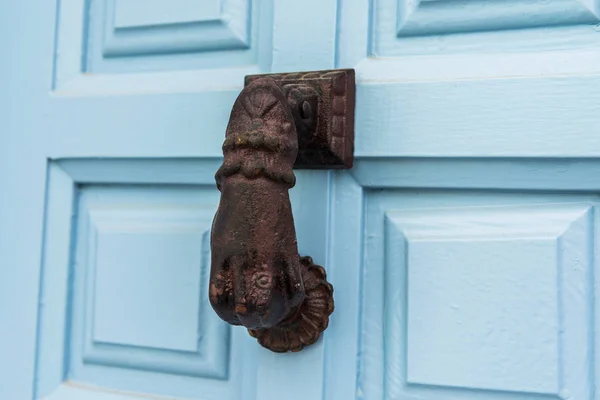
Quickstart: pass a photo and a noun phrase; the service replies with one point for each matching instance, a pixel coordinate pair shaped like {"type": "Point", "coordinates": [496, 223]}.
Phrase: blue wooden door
{"type": "Point", "coordinates": [462, 245]}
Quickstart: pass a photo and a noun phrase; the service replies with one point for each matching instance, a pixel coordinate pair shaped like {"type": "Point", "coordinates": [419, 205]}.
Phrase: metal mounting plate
{"type": "Point", "coordinates": [328, 144]}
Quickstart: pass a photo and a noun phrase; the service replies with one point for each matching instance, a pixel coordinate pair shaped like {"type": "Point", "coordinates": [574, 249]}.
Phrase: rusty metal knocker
{"type": "Point", "coordinates": [258, 279]}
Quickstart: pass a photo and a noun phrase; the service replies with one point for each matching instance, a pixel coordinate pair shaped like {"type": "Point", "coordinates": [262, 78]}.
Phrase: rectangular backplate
{"type": "Point", "coordinates": [329, 144]}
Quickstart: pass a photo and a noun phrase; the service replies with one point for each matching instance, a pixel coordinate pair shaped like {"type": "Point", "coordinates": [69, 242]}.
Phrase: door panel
{"type": "Point", "coordinates": [438, 26]}
{"type": "Point", "coordinates": [117, 43]}
{"type": "Point", "coordinates": [484, 292]}
{"type": "Point", "coordinates": [471, 80]}
{"type": "Point", "coordinates": [126, 310]}
{"type": "Point", "coordinates": [471, 294]}
{"type": "Point", "coordinates": [125, 109]}
{"type": "Point", "coordinates": [475, 168]}
{"type": "Point", "coordinates": [461, 245]}
{"type": "Point", "coordinates": [124, 282]}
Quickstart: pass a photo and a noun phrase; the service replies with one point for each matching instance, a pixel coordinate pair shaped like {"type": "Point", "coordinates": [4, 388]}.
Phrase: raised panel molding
{"type": "Point", "coordinates": [489, 298]}
{"type": "Point", "coordinates": [109, 321]}
{"type": "Point", "coordinates": [136, 13]}
{"type": "Point", "coordinates": [131, 46]}
{"type": "Point", "coordinates": [140, 296]}
{"type": "Point", "coordinates": [136, 28]}
{"type": "Point", "coordinates": [147, 276]}
{"type": "Point", "coordinates": [450, 27]}
{"type": "Point", "coordinates": [439, 17]}
{"type": "Point", "coordinates": [146, 263]}
{"type": "Point", "coordinates": [465, 294]}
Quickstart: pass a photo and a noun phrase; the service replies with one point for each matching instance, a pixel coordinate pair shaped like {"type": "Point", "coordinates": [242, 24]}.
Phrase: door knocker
{"type": "Point", "coordinates": [258, 279]}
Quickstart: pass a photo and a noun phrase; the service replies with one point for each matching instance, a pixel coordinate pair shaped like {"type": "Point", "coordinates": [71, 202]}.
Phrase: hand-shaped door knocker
{"type": "Point", "coordinates": [258, 279]}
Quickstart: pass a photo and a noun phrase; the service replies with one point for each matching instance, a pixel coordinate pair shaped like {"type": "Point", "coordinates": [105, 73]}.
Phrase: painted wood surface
{"type": "Point", "coordinates": [462, 246]}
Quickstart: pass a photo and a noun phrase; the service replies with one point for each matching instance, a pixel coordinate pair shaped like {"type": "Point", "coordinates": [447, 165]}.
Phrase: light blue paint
{"type": "Point", "coordinates": [428, 27]}
{"type": "Point", "coordinates": [142, 30]}
{"type": "Point", "coordinates": [475, 316]}
{"type": "Point", "coordinates": [161, 248]}
{"type": "Point", "coordinates": [438, 17]}
{"type": "Point", "coordinates": [146, 238]}
{"type": "Point", "coordinates": [184, 57]}
{"type": "Point", "coordinates": [462, 246]}
{"type": "Point", "coordinates": [135, 13]}
{"type": "Point", "coordinates": [85, 297]}
{"type": "Point", "coordinates": [516, 250]}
